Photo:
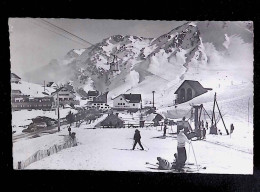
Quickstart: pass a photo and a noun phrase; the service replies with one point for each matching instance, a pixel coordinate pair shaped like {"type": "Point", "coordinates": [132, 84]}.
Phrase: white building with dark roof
{"type": "Point", "coordinates": [128, 101]}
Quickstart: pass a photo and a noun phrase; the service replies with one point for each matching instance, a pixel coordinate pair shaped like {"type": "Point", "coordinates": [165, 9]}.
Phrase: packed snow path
{"type": "Point", "coordinates": [108, 149]}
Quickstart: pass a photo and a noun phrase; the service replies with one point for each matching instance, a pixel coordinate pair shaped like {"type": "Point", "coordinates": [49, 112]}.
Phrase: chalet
{"type": "Point", "coordinates": [128, 101]}
{"type": "Point", "coordinates": [26, 102]}
{"type": "Point", "coordinates": [154, 118]}
{"type": "Point", "coordinates": [16, 93]}
{"type": "Point", "coordinates": [112, 120]}
{"type": "Point", "coordinates": [15, 78]}
{"type": "Point", "coordinates": [65, 96]}
{"type": "Point", "coordinates": [52, 85]}
{"type": "Point", "coordinates": [92, 95]}
{"type": "Point", "coordinates": [99, 102]}
{"type": "Point", "coordinates": [188, 90]}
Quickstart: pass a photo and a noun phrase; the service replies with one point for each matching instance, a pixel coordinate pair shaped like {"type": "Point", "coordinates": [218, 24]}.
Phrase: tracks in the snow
{"type": "Point", "coordinates": [227, 146]}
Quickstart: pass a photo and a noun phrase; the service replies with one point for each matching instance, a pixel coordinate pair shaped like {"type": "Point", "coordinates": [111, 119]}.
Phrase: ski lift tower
{"type": "Point", "coordinates": [197, 115]}
{"type": "Point", "coordinates": [114, 64]}
{"type": "Point", "coordinates": [153, 100]}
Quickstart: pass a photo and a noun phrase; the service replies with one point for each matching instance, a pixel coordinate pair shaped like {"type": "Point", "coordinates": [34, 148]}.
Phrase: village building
{"type": "Point", "coordinates": [15, 78]}
{"type": "Point", "coordinates": [127, 101]}
{"type": "Point", "coordinates": [188, 90]}
{"type": "Point", "coordinates": [99, 102]}
{"type": "Point", "coordinates": [52, 85]}
{"type": "Point", "coordinates": [112, 121]}
{"type": "Point", "coordinates": [92, 94]}
{"type": "Point", "coordinates": [154, 118]}
{"type": "Point", "coordinates": [16, 93]}
{"type": "Point", "coordinates": [66, 96]}
{"type": "Point", "coordinates": [29, 103]}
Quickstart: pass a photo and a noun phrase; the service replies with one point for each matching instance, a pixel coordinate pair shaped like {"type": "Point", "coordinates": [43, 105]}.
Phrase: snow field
{"type": "Point", "coordinates": [108, 149]}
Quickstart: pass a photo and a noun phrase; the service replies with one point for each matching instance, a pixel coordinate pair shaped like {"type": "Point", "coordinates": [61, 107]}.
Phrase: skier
{"type": "Point", "coordinates": [163, 164]}
{"type": "Point", "coordinates": [181, 156]}
{"type": "Point", "coordinates": [202, 123]}
{"type": "Point", "coordinates": [204, 133]}
{"type": "Point", "coordinates": [164, 130]}
{"type": "Point", "coordinates": [137, 139]}
{"type": "Point", "coordinates": [231, 128]}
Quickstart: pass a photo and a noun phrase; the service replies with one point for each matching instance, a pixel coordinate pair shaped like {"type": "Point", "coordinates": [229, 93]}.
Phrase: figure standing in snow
{"type": "Point", "coordinates": [181, 156]}
{"type": "Point", "coordinates": [137, 139]}
{"type": "Point", "coordinates": [231, 128]}
{"type": "Point", "coordinates": [204, 133]}
{"type": "Point", "coordinates": [164, 130]}
{"type": "Point", "coordinates": [207, 125]}
{"type": "Point", "coordinates": [201, 130]}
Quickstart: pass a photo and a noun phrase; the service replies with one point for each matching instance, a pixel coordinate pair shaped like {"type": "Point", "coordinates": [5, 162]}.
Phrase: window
{"type": "Point", "coordinates": [120, 98]}
{"type": "Point", "coordinates": [118, 103]}
{"type": "Point", "coordinates": [123, 103]}
{"type": "Point", "coordinates": [133, 104]}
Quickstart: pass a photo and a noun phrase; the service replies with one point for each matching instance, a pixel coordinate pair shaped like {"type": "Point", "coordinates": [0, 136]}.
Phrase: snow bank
{"type": "Point", "coordinates": [23, 117]}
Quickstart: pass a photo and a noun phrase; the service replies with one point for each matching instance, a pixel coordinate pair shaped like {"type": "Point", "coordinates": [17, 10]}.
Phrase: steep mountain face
{"type": "Point", "coordinates": [194, 50]}
{"type": "Point", "coordinates": [130, 54]}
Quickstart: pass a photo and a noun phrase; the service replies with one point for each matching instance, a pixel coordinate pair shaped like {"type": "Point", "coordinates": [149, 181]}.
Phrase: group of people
{"type": "Point", "coordinates": [181, 155]}
{"type": "Point", "coordinates": [202, 129]}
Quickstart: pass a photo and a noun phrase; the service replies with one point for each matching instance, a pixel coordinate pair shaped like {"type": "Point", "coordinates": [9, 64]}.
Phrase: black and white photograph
{"type": "Point", "coordinates": [132, 95]}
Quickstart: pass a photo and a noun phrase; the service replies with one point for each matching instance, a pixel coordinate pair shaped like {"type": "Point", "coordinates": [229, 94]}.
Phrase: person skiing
{"type": "Point", "coordinates": [164, 130]}
{"type": "Point", "coordinates": [137, 139]}
{"type": "Point", "coordinates": [181, 151]}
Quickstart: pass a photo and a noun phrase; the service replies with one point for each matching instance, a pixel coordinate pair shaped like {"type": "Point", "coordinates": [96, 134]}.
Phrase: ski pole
{"type": "Point", "coordinates": [194, 156]}
{"type": "Point", "coordinates": [189, 154]}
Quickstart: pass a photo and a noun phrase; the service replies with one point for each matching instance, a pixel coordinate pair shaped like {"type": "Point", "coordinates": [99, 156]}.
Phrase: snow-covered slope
{"type": "Point", "coordinates": [32, 89]}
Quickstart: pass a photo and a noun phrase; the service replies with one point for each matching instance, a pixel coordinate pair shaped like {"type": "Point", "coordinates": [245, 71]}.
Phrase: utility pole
{"type": "Point", "coordinates": [153, 98]}
{"type": "Point", "coordinates": [248, 113]}
{"type": "Point", "coordinates": [213, 113]}
{"type": "Point", "coordinates": [58, 108]}
{"type": "Point", "coordinates": [44, 85]}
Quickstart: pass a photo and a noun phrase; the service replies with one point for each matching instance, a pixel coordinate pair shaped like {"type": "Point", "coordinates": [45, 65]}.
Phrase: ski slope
{"type": "Point", "coordinates": [108, 149]}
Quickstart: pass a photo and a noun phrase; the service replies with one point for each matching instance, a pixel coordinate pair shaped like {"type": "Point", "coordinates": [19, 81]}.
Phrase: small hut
{"type": "Point", "coordinates": [112, 121]}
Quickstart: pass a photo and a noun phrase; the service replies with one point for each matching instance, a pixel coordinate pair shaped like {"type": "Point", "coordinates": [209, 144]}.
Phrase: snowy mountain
{"type": "Point", "coordinates": [215, 53]}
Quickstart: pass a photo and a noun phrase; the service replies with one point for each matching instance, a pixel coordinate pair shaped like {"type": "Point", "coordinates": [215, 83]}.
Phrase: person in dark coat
{"type": "Point", "coordinates": [204, 133]}
{"type": "Point", "coordinates": [137, 139]}
{"type": "Point", "coordinates": [231, 128]}
{"type": "Point", "coordinates": [164, 130]}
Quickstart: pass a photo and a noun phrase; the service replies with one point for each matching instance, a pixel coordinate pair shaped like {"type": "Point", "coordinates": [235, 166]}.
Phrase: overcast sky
{"type": "Point", "coordinates": [33, 43]}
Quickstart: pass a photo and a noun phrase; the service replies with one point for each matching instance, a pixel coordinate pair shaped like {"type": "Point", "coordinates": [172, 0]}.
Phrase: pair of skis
{"type": "Point", "coordinates": [131, 149]}
{"type": "Point", "coordinates": [188, 168]}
